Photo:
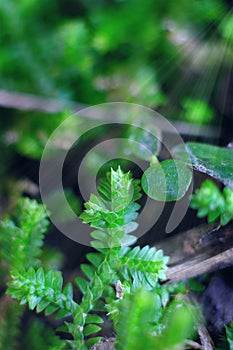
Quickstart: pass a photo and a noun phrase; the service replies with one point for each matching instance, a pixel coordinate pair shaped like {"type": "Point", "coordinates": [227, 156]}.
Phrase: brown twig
{"type": "Point", "coordinates": [195, 252]}
{"type": "Point", "coordinates": [193, 268]}
{"type": "Point", "coordinates": [206, 341]}
{"type": "Point", "coordinates": [199, 322]}
{"type": "Point", "coordinates": [192, 344]}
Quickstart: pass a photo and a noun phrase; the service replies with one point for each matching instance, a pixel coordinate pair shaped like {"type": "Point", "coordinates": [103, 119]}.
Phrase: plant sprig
{"type": "Point", "coordinates": [112, 214]}
{"type": "Point", "coordinates": [211, 202]}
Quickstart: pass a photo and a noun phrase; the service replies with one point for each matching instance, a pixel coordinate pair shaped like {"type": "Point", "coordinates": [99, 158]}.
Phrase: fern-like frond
{"type": "Point", "coordinates": [40, 290]}
{"type": "Point", "coordinates": [44, 292]}
{"type": "Point", "coordinates": [113, 213]}
{"type": "Point", "coordinates": [144, 265]}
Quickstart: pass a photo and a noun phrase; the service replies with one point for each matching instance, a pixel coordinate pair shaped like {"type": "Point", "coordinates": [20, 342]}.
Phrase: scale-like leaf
{"type": "Point", "coordinates": [97, 287]}
{"type": "Point", "coordinates": [92, 318]}
{"type": "Point", "coordinates": [88, 270]}
{"type": "Point", "coordinates": [92, 341]}
{"type": "Point", "coordinates": [95, 258]}
{"type": "Point", "coordinates": [90, 329]}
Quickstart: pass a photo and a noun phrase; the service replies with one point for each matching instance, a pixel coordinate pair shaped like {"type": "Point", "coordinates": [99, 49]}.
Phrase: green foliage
{"type": "Point", "coordinates": [214, 161]}
{"type": "Point", "coordinates": [82, 53]}
{"type": "Point", "coordinates": [166, 181]}
{"type": "Point", "coordinates": [69, 52]}
{"type": "Point", "coordinates": [140, 316]}
{"type": "Point", "coordinates": [79, 51]}
{"type": "Point", "coordinates": [33, 131]}
{"type": "Point", "coordinates": [115, 260]}
{"type": "Point", "coordinates": [197, 111]}
{"type": "Point", "coordinates": [226, 341]}
{"type": "Point", "coordinates": [44, 292]}
{"type": "Point", "coordinates": [229, 335]}
{"type": "Point", "coordinates": [113, 213]}
{"type": "Point", "coordinates": [37, 337]}
{"type": "Point", "coordinates": [211, 202]}
{"type": "Point", "coordinates": [10, 313]}
{"type": "Point", "coordinates": [145, 266]}
{"type": "Point", "coordinates": [22, 239]}
{"type": "Point", "coordinates": [226, 27]}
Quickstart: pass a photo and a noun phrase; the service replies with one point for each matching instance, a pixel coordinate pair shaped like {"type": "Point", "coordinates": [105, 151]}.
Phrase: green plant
{"type": "Point", "coordinates": [21, 240]}
{"type": "Point", "coordinates": [112, 215]}
{"type": "Point", "coordinates": [211, 202]}
{"type": "Point", "coordinates": [229, 335]}
{"type": "Point", "coordinates": [144, 324]}
{"type": "Point", "coordinates": [226, 341]}
{"type": "Point", "coordinates": [197, 111]}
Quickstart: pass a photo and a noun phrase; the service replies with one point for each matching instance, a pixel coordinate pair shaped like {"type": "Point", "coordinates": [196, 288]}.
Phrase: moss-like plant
{"type": "Point", "coordinates": [112, 214]}
{"type": "Point", "coordinates": [213, 203]}
{"type": "Point", "coordinates": [21, 240]}
{"type": "Point", "coordinates": [144, 324]}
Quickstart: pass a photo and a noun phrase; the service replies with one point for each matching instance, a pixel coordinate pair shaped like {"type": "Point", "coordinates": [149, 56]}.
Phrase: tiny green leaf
{"type": "Point", "coordinates": [95, 258]}
{"type": "Point", "coordinates": [97, 288]}
{"type": "Point", "coordinates": [57, 281]}
{"type": "Point", "coordinates": [88, 270]}
{"type": "Point", "coordinates": [87, 302]}
{"type": "Point", "coordinates": [92, 341]}
{"type": "Point", "coordinates": [68, 291]}
{"type": "Point", "coordinates": [82, 283]}
{"type": "Point", "coordinates": [40, 276]}
{"type": "Point", "coordinates": [51, 309]}
{"type": "Point", "coordinates": [91, 318]}
{"type": "Point", "coordinates": [90, 329]}
{"type": "Point", "coordinates": [33, 301]}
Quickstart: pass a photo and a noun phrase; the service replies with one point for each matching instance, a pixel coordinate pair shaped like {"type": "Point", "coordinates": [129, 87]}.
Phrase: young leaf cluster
{"type": "Point", "coordinates": [114, 211]}
{"type": "Point", "coordinates": [211, 202]}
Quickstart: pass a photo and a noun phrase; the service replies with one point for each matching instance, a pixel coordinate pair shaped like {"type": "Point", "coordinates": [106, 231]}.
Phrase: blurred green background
{"type": "Point", "coordinates": [169, 55]}
{"type": "Point", "coordinates": [57, 56]}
